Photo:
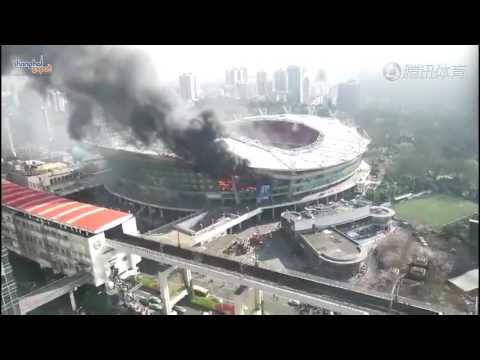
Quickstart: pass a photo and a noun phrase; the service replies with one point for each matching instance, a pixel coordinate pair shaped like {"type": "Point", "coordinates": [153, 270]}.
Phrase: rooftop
{"type": "Point", "coordinates": [338, 143]}
{"type": "Point", "coordinates": [63, 211]}
{"type": "Point", "coordinates": [334, 247]}
{"type": "Point", "coordinates": [334, 215]}
{"type": "Point", "coordinates": [466, 282]}
{"type": "Point", "coordinates": [335, 144]}
{"type": "Point", "coordinates": [36, 167]}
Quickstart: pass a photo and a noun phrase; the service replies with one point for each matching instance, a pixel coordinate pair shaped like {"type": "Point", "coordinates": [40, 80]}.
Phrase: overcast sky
{"type": "Point", "coordinates": [341, 62]}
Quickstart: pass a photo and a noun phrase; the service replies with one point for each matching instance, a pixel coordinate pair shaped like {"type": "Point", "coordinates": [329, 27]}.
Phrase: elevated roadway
{"type": "Point", "coordinates": [52, 291]}
{"type": "Point", "coordinates": [325, 293]}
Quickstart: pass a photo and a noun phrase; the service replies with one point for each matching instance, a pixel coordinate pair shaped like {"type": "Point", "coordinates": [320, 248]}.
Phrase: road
{"type": "Point", "coordinates": [273, 305]}
{"type": "Point", "coordinates": [321, 292]}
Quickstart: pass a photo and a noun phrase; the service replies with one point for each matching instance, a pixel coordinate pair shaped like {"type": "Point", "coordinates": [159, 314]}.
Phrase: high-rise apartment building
{"type": "Point", "coordinates": [295, 84]}
{"type": "Point", "coordinates": [188, 87]}
{"type": "Point", "coordinates": [262, 83]}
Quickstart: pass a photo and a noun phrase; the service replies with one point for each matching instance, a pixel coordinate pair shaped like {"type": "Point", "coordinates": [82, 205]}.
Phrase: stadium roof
{"type": "Point", "coordinates": [63, 211]}
{"type": "Point", "coordinates": [339, 143]}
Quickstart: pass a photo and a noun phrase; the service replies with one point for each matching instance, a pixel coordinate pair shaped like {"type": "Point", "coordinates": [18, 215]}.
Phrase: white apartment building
{"type": "Point", "coordinates": [64, 235]}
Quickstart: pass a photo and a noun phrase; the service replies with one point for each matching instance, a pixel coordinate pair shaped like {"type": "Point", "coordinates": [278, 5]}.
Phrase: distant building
{"type": "Point", "coordinates": [243, 91]}
{"type": "Point", "coordinates": [280, 82]}
{"type": "Point", "coordinates": [236, 81]}
{"type": "Point", "coordinates": [321, 76]}
{"type": "Point", "coordinates": [9, 103]}
{"type": "Point", "coordinates": [236, 76]}
{"type": "Point", "coordinates": [333, 95]}
{"type": "Point", "coordinates": [243, 76]}
{"type": "Point", "coordinates": [306, 90]}
{"type": "Point", "coordinates": [348, 97]}
{"type": "Point", "coordinates": [188, 87]}
{"type": "Point", "coordinates": [295, 84]}
{"type": "Point", "coordinates": [262, 83]}
{"type": "Point", "coordinates": [318, 85]}
{"type": "Point", "coordinates": [55, 100]}
{"type": "Point", "coordinates": [42, 176]}
{"type": "Point", "coordinates": [9, 286]}
{"type": "Point", "coordinates": [228, 77]}
{"type": "Point", "coordinates": [269, 90]}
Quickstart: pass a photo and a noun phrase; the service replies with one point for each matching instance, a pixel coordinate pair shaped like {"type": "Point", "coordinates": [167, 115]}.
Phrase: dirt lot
{"type": "Point", "coordinates": [395, 253]}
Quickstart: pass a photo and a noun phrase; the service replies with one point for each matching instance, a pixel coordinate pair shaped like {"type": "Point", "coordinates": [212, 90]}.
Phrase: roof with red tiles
{"type": "Point", "coordinates": [63, 211]}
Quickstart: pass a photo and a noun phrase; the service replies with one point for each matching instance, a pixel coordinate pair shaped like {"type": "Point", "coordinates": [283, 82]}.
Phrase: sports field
{"type": "Point", "coordinates": [436, 210]}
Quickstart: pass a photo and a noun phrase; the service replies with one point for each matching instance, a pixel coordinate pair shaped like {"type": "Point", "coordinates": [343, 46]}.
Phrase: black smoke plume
{"type": "Point", "coordinates": [123, 84]}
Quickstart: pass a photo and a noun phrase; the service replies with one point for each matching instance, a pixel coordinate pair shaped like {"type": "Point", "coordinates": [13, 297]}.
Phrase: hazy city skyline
{"type": "Point", "coordinates": [341, 62]}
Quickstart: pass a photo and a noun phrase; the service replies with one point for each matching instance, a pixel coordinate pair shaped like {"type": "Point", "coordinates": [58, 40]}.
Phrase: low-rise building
{"type": "Point", "coordinates": [333, 252]}
{"type": "Point", "coordinates": [40, 175]}
{"type": "Point", "coordinates": [339, 237]}
{"type": "Point", "coordinates": [64, 235]}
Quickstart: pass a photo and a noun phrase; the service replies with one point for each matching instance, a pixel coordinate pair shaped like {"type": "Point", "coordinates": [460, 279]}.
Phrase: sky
{"type": "Point", "coordinates": [341, 62]}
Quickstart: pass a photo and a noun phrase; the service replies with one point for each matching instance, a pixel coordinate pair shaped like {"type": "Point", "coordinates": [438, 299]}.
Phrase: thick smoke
{"type": "Point", "coordinates": [123, 84]}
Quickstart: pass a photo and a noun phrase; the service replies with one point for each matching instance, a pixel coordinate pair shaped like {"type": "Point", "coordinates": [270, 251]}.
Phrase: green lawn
{"type": "Point", "coordinates": [435, 211]}
{"type": "Point", "coordinates": [149, 282]}
{"type": "Point", "coordinates": [205, 301]}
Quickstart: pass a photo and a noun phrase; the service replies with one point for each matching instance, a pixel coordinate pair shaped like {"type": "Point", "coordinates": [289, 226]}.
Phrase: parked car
{"type": "Point", "coordinates": [180, 309]}
{"type": "Point", "coordinates": [293, 302]}
{"type": "Point", "coordinates": [156, 307]}
{"type": "Point", "coordinates": [417, 273]}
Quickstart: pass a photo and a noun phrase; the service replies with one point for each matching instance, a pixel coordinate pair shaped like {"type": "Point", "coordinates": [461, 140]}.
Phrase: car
{"type": "Point", "coordinates": [143, 301]}
{"type": "Point", "coordinates": [206, 313]}
{"type": "Point", "coordinates": [180, 309]}
{"type": "Point", "coordinates": [417, 273]}
{"type": "Point", "coordinates": [173, 312]}
{"type": "Point", "coordinates": [156, 307]}
{"type": "Point", "coordinates": [293, 302]}
{"type": "Point", "coordinates": [154, 300]}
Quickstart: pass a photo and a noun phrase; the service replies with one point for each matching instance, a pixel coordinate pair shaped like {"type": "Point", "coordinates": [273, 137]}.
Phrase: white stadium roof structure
{"type": "Point", "coordinates": [335, 144]}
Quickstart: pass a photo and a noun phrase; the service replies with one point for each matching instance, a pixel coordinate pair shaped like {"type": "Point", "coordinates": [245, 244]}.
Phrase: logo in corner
{"type": "Point", "coordinates": [392, 71]}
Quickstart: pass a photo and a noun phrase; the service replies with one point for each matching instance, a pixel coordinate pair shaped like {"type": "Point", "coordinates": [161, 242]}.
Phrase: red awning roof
{"type": "Point", "coordinates": [63, 211]}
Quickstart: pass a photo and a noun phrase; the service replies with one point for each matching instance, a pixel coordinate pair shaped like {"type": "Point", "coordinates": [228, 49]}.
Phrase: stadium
{"type": "Point", "coordinates": [293, 159]}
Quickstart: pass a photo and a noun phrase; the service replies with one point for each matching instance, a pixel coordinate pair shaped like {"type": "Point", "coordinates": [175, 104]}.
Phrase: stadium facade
{"type": "Point", "coordinates": [292, 159]}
